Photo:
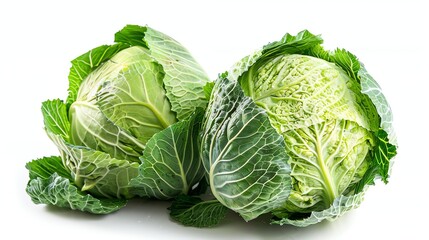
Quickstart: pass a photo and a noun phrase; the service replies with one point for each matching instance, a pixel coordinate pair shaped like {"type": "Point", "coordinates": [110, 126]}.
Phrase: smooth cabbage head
{"type": "Point", "coordinates": [121, 105]}
{"type": "Point", "coordinates": [130, 105]}
{"type": "Point", "coordinates": [296, 131]}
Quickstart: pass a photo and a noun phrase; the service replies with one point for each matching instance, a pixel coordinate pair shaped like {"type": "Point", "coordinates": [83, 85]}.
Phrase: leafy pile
{"type": "Point", "coordinates": [292, 130]}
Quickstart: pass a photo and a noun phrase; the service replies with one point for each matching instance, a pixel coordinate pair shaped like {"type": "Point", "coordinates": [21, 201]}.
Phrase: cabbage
{"type": "Point", "coordinates": [130, 106]}
{"type": "Point", "coordinates": [295, 131]}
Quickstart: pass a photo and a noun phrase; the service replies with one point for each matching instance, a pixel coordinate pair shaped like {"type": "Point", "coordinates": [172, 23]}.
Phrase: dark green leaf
{"type": "Point", "coordinates": [192, 211]}
{"type": "Point", "coordinates": [199, 189]}
{"type": "Point", "coordinates": [132, 35]}
{"type": "Point", "coordinates": [291, 44]}
{"type": "Point", "coordinates": [208, 88]}
{"type": "Point", "coordinates": [347, 61]}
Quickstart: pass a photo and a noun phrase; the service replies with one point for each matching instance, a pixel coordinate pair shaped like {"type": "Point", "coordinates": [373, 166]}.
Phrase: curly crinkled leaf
{"type": "Point", "coordinates": [363, 94]}
{"type": "Point", "coordinates": [170, 163]}
{"type": "Point", "coordinates": [290, 44]}
{"type": "Point", "coordinates": [381, 164]}
{"type": "Point", "coordinates": [243, 65]}
{"type": "Point", "coordinates": [326, 159]}
{"type": "Point", "coordinates": [381, 117]}
{"type": "Point", "coordinates": [302, 42]}
{"type": "Point", "coordinates": [385, 147]}
{"type": "Point", "coordinates": [340, 206]}
{"type": "Point", "coordinates": [58, 191]}
{"type": "Point", "coordinates": [50, 185]}
{"type": "Point", "coordinates": [192, 211]}
{"type": "Point", "coordinates": [244, 157]}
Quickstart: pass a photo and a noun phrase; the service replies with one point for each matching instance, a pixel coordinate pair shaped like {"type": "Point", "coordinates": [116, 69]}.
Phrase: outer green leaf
{"type": "Point", "coordinates": [50, 184]}
{"type": "Point", "coordinates": [340, 206]}
{"type": "Point", "coordinates": [304, 41]}
{"type": "Point", "coordinates": [86, 63]}
{"type": "Point", "coordinates": [171, 164]}
{"type": "Point", "coordinates": [385, 148]}
{"type": "Point", "coordinates": [208, 88]}
{"type": "Point", "coordinates": [90, 169]}
{"type": "Point", "coordinates": [55, 118]}
{"type": "Point", "coordinates": [371, 88]}
{"type": "Point", "coordinates": [243, 65]}
{"type": "Point", "coordinates": [382, 155]}
{"type": "Point", "coordinates": [132, 35]}
{"type": "Point", "coordinates": [97, 172]}
{"type": "Point", "coordinates": [46, 166]}
{"type": "Point", "coordinates": [192, 211]}
{"type": "Point", "coordinates": [184, 78]}
{"type": "Point", "coordinates": [289, 44]}
{"type": "Point", "coordinates": [347, 61]}
{"type": "Point", "coordinates": [243, 155]}
{"type": "Point", "coordinates": [381, 164]}
{"type": "Point", "coordinates": [58, 191]}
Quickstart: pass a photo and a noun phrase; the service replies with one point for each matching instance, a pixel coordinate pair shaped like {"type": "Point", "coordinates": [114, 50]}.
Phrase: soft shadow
{"type": "Point", "coordinates": [147, 217]}
{"type": "Point", "coordinates": [72, 214]}
{"type": "Point", "coordinates": [140, 215]}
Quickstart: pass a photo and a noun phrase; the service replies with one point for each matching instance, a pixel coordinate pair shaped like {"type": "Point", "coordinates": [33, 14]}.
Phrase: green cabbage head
{"type": "Point", "coordinates": [129, 107]}
{"type": "Point", "coordinates": [297, 132]}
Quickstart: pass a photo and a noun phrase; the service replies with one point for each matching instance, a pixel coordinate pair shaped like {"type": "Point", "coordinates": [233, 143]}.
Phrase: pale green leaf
{"type": "Point", "coordinates": [91, 128]}
{"type": "Point", "coordinates": [86, 63]}
{"type": "Point", "coordinates": [184, 78]}
{"type": "Point", "coordinates": [131, 93]}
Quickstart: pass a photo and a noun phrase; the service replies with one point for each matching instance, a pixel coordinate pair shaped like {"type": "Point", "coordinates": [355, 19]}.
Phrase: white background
{"type": "Point", "coordinates": [39, 38]}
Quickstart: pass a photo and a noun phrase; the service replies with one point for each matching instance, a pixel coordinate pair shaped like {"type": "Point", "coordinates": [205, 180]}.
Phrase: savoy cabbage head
{"type": "Point", "coordinates": [295, 131]}
{"type": "Point", "coordinates": [130, 105]}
